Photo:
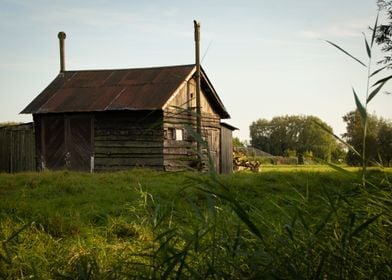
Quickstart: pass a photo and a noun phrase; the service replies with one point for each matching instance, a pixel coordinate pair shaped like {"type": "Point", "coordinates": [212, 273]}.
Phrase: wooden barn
{"type": "Point", "coordinates": [116, 119]}
{"type": "Point", "coordinates": [166, 118]}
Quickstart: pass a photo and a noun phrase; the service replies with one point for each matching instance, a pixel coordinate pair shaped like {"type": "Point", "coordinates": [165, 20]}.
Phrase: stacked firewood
{"type": "Point", "coordinates": [242, 162]}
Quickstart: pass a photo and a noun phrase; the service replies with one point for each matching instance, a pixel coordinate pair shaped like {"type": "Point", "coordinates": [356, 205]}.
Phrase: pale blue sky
{"type": "Point", "coordinates": [264, 58]}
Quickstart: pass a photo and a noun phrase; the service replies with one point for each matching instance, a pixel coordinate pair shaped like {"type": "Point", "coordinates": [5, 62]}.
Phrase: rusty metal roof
{"type": "Point", "coordinates": [124, 89]}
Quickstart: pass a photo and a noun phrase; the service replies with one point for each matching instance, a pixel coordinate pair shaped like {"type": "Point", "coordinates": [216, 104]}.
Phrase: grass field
{"type": "Point", "coordinates": [283, 223]}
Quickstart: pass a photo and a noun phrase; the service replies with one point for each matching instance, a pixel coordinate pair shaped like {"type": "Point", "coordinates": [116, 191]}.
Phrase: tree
{"type": "Point", "coordinates": [339, 153]}
{"type": "Point", "coordinates": [384, 142]}
{"type": "Point", "coordinates": [260, 133]}
{"type": "Point", "coordinates": [354, 137]}
{"type": "Point", "coordinates": [384, 32]}
{"type": "Point", "coordinates": [293, 134]}
{"type": "Point", "coordinates": [378, 139]}
{"type": "Point", "coordinates": [238, 143]}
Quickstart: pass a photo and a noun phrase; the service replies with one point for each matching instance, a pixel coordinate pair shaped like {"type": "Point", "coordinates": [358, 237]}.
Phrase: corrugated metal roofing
{"type": "Point", "coordinates": [107, 90]}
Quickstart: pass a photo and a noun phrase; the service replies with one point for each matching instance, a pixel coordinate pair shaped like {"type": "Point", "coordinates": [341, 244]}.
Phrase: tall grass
{"type": "Point", "coordinates": [142, 224]}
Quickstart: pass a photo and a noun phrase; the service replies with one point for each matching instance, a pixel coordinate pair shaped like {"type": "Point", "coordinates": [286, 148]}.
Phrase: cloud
{"type": "Point", "coordinates": [151, 21]}
{"type": "Point", "coordinates": [86, 16]}
{"type": "Point", "coordinates": [348, 28]}
{"type": "Point", "coordinates": [171, 12]}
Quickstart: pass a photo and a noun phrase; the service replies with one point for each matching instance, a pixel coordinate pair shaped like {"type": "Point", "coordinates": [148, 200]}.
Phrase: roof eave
{"type": "Point", "coordinates": [222, 110]}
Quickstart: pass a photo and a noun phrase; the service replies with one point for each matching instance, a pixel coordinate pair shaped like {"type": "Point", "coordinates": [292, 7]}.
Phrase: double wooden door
{"type": "Point", "coordinates": [67, 142]}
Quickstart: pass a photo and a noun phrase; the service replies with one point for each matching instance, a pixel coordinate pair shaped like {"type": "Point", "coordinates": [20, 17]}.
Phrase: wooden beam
{"type": "Point", "coordinates": [197, 74]}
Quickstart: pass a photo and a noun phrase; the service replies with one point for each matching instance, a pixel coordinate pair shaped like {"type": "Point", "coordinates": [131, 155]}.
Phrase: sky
{"type": "Point", "coordinates": [264, 58]}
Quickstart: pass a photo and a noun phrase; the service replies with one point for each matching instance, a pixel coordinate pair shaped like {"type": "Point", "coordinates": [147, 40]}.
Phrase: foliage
{"type": "Point", "coordinates": [339, 154]}
{"type": "Point", "coordinates": [384, 32]}
{"type": "Point", "coordinates": [384, 142]}
{"type": "Point", "coordinates": [237, 143]}
{"type": "Point", "coordinates": [378, 138]}
{"type": "Point", "coordinates": [286, 135]}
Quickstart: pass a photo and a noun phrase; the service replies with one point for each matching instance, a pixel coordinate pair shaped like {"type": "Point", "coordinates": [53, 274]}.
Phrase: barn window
{"type": "Point", "coordinates": [174, 134]}
{"type": "Point", "coordinates": [170, 134]}
{"type": "Point", "coordinates": [179, 135]}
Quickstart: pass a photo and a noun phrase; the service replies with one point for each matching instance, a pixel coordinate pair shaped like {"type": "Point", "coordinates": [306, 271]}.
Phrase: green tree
{"type": "Point", "coordinates": [384, 141]}
{"type": "Point", "coordinates": [238, 143]}
{"type": "Point", "coordinates": [384, 32]}
{"type": "Point", "coordinates": [378, 139]}
{"type": "Point", "coordinates": [354, 136]}
{"type": "Point", "coordinates": [287, 134]}
{"type": "Point", "coordinates": [339, 153]}
{"type": "Point", "coordinates": [260, 133]}
{"type": "Point", "coordinates": [314, 140]}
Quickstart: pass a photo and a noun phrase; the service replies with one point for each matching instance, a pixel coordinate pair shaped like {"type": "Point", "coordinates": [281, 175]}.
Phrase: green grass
{"type": "Point", "coordinates": [284, 222]}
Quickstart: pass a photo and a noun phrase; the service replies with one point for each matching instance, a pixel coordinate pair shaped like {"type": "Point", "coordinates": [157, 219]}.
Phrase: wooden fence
{"type": "Point", "coordinates": [17, 148]}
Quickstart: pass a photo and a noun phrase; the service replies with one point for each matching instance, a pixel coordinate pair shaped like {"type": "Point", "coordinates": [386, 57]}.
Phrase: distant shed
{"type": "Point", "coordinates": [117, 119]}
{"type": "Point", "coordinates": [226, 143]}
{"type": "Point", "coordinates": [17, 148]}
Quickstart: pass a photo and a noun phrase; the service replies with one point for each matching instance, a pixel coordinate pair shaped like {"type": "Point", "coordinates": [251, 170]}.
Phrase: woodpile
{"type": "Point", "coordinates": [241, 162]}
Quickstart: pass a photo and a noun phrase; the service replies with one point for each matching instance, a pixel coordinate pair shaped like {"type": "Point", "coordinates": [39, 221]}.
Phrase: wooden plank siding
{"type": "Point", "coordinates": [180, 113]}
{"type": "Point", "coordinates": [38, 126]}
{"type": "Point", "coordinates": [128, 139]}
{"type": "Point", "coordinates": [226, 150]}
{"type": "Point", "coordinates": [17, 148]}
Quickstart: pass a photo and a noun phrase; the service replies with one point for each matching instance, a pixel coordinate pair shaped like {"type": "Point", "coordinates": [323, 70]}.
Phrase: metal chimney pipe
{"type": "Point", "coordinates": [198, 106]}
{"type": "Point", "coordinates": [61, 37]}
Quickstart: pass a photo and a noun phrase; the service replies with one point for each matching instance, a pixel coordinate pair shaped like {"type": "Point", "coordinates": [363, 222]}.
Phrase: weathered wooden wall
{"type": "Point", "coordinates": [17, 148]}
{"type": "Point", "coordinates": [226, 150]}
{"type": "Point", "coordinates": [180, 113]}
{"type": "Point", "coordinates": [128, 139]}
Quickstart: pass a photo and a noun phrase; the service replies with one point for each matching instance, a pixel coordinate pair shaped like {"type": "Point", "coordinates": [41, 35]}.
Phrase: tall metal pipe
{"type": "Point", "coordinates": [61, 37]}
{"type": "Point", "coordinates": [197, 76]}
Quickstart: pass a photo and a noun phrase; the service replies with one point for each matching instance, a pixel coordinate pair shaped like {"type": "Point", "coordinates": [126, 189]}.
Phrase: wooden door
{"type": "Point", "coordinates": [52, 142]}
{"type": "Point", "coordinates": [67, 142]}
{"type": "Point", "coordinates": [214, 145]}
{"type": "Point", "coordinates": [79, 143]}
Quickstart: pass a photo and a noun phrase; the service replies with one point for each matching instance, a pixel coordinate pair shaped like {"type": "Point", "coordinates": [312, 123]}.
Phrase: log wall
{"type": "Point", "coordinates": [128, 139]}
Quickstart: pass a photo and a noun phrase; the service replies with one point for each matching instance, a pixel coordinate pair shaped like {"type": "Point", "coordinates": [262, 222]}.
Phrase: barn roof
{"type": "Point", "coordinates": [124, 89]}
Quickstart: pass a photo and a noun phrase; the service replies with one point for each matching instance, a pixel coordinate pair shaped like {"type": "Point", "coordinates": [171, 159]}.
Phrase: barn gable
{"type": "Point", "coordinates": [180, 117]}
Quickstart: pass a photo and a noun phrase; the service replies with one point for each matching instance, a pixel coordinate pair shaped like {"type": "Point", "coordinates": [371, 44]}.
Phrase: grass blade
{"type": "Point", "coordinates": [374, 31]}
{"type": "Point", "coordinates": [345, 52]}
{"type": "Point", "coordinates": [374, 92]}
{"type": "Point", "coordinates": [361, 109]}
{"type": "Point", "coordinates": [382, 80]}
{"type": "Point", "coordinates": [322, 224]}
{"type": "Point", "coordinates": [368, 50]}
{"type": "Point", "coordinates": [339, 169]}
{"type": "Point", "coordinates": [364, 225]}
{"type": "Point", "coordinates": [238, 209]}
{"type": "Point", "coordinates": [16, 233]}
{"type": "Point", "coordinates": [176, 259]}
{"type": "Point", "coordinates": [379, 70]}
{"type": "Point", "coordinates": [337, 138]}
